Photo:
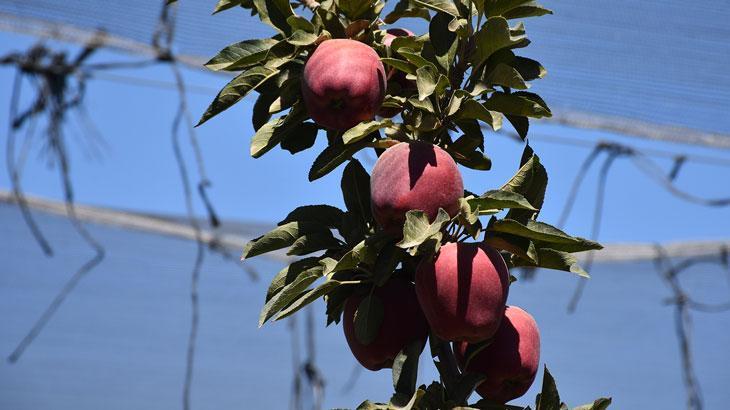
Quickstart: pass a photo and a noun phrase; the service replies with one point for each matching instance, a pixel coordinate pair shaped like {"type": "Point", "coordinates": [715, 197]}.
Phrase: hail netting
{"type": "Point", "coordinates": [653, 62]}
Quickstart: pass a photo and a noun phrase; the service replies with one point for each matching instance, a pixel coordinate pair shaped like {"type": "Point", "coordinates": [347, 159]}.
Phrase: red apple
{"type": "Point", "coordinates": [463, 291]}
{"type": "Point", "coordinates": [403, 323]}
{"type": "Point", "coordinates": [414, 175]}
{"type": "Point", "coordinates": [344, 83]}
{"type": "Point", "coordinates": [510, 362]}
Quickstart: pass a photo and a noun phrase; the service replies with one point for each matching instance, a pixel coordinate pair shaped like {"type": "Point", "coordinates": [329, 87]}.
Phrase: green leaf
{"type": "Point", "coordinates": [521, 103]}
{"type": "Point", "coordinates": [531, 181]}
{"type": "Point", "coordinates": [355, 185]}
{"type": "Point", "coordinates": [548, 399]}
{"type": "Point", "coordinates": [386, 262]}
{"type": "Point", "coordinates": [401, 65]}
{"type": "Point", "coordinates": [261, 113]}
{"type": "Point", "coordinates": [289, 274]}
{"type": "Point", "coordinates": [222, 5]}
{"type": "Point", "coordinates": [335, 302]}
{"type": "Point", "coordinates": [368, 319]}
{"type": "Point", "coordinates": [236, 89]}
{"type": "Point", "coordinates": [314, 242]}
{"type": "Point", "coordinates": [417, 228]}
{"type": "Point", "coordinates": [499, 7]}
{"type": "Point", "coordinates": [302, 38]}
{"type": "Point", "coordinates": [519, 247]}
{"type": "Point", "coordinates": [241, 55]}
{"type": "Point", "coordinates": [280, 54]}
{"type": "Point", "coordinates": [301, 137]}
{"type": "Point", "coordinates": [274, 131]}
{"type": "Point", "coordinates": [499, 199]}
{"type": "Point", "coordinates": [443, 40]}
{"type": "Point", "coordinates": [532, 9]}
{"type": "Point", "coordinates": [301, 23]}
{"type": "Point", "coordinates": [473, 109]}
{"type": "Point", "coordinates": [353, 9]}
{"type": "Point", "coordinates": [287, 294]}
{"type": "Point", "coordinates": [364, 129]}
{"type": "Point", "coordinates": [426, 79]}
{"type": "Point", "coordinates": [473, 159]}
{"type": "Point", "coordinates": [557, 260]}
{"type": "Point", "coordinates": [410, 44]}
{"type": "Point", "coordinates": [288, 94]}
{"type": "Point", "coordinates": [529, 69]}
{"type": "Point", "coordinates": [472, 138]}
{"type": "Point", "coordinates": [598, 404]}
{"type": "Point", "coordinates": [358, 254]}
{"type": "Point", "coordinates": [507, 76]}
{"type": "Point", "coordinates": [275, 14]}
{"type": "Point", "coordinates": [405, 8]}
{"type": "Point", "coordinates": [392, 101]}
{"type": "Point", "coordinates": [278, 238]}
{"type": "Point", "coordinates": [460, 27]}
{"type": "Point", "coordinates": [325, 215]}
{"type": "Point", "coordinates": [445, 6]}
{"type": "Point", "coordinates": [405, 372]}
{"type": "Point", "coordinates": [428, 82]}
{"type": "Point", "coordinates": [542, 232]}
{"type": "Point", "coordinates": [308, 297]}
{"type": "Point", "coordinates": [368, 405]}
{"type": "Point", "coordinates": [414, 57]}
{"type": "Point", "coordinates": [331, 22]}
{"type": "Point", "coordinates": [465, 386]}
{"type": "Point", "coordinates": [494, 35]}
{"type": "Point", "coordinates": [332, 157]}
{"type": "Point", "coordinates": [423, 105]}
{"type": "Point", "coordinates": [520, 124]}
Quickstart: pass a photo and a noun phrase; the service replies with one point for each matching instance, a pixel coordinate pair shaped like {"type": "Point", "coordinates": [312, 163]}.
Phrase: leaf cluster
{"type": "Point", "coordinates": [434, 396]}
{"type": "Point", "coordinates": [465, 77]}
{"type": "Point", "coordinates": [465, 73]}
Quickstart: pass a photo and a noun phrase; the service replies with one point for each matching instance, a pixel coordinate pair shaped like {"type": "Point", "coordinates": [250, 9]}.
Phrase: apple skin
{"type": "Point", "coordinates": [395, 75]}
{"type": "Point", "coordinates": [343, 84]}
{"type": "Point", "coordinates": [511, 361]}
{"type": "Point", "coordinates": [413, 175]}
{"type": "Point", "coordinates": [463, 291]}
{"type": "Point", "coordinates": [403, 322]}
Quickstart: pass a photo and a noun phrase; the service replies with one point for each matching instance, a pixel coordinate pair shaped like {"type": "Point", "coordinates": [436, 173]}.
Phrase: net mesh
{"type": "Point", "coordinates": [654, 62]}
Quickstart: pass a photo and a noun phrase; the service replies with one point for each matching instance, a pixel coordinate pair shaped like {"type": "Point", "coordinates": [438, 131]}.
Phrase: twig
{"type": "Point", "coordinates": [595, 230]}
{"type": "Point", "coordinates": [199, 256]}
{"type": "Point", "coordinates": [13, 169]}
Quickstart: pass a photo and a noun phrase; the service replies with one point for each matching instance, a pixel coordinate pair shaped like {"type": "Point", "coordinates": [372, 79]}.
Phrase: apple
{"type": "Point", "coordinates": [343, 84]}
{"type": "Point", "coordinates": [463, 291]}
{"type": "Point", "coordinates": [402, 323]}
{"type": "Point", "coordinates": [413, 175]}
{"type": "Point", "coordinates": [510, 361]}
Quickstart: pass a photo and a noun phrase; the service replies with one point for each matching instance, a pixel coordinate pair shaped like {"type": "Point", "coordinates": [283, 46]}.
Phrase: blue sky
{"type": "Point", "coordinates": [138, 172]}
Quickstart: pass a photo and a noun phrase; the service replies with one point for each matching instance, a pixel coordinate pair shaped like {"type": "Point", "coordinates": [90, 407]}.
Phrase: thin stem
{"type": "Point", "coordinates": [14, 168]}
{"type": "Point", "coordinates": [448, 369]}
{"type": "Point", "coordinates": [350, 282]}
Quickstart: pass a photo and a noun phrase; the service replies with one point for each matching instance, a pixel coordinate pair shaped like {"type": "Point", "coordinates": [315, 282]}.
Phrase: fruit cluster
{"type": "Point", "coordinates": [410, 259]}
{"type": "Point", "coordinates": [460, 294]}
